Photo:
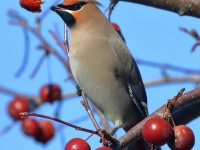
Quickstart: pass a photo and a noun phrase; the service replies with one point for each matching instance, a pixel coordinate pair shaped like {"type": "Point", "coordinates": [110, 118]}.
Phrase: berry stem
{"type": "Point", "coordinates": [170, 105]}
{"type": "Point", "coordinates": [170, 116]}
{"type": "Point", "coordinates": [26, 114]}
{"type": "Point", "coordinates": [103, 140]}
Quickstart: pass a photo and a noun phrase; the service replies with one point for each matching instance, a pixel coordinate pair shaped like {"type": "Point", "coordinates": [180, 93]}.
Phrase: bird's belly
{"type": "Point", "coordinates": [98, 82]}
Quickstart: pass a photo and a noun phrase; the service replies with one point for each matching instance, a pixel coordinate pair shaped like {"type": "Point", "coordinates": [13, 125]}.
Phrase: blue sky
{"type": "Point", "coordinates": [151, 34]}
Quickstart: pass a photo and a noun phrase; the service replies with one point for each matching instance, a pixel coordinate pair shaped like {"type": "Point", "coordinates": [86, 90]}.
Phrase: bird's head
{"type": "Point", "coordinates": [73, 11]}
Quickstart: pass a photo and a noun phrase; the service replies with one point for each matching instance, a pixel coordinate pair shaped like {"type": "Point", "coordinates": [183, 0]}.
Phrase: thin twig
{"type": "Point", "coordinates": [111, 7]}
{"type": "Point", "coordinates": [170, 106]}
{"type": "Point", "coordinates": [103, 121]}
{"type": "Point", "coordinates": [59, 43]}
{"type": "Point", "coordinates": [35, 99]}
{"type": "Point", "coordinates": [167, 66]}
{"type": "Point", "coordinates": [192, 79]}
{"type": "Point", "coordinates": [18, 20]}
{"type": "Point", "coordinates": [195, 35]}
{"type": "Point", "coordinates": [37, 67]}
{"type": "Point", "coordinates": [25, 114]}
{"type": "Point", "coordinates": [75, 121]}
{"type": "Point", "coordinates": [103, 133]}
{"type": "Point", "coordinates": [90, 113]}
{"type": "Point", "coordinates": [7, 128]}
{"type": "Point", "coordinates": [66, 42]}
{"type": "Point", "coordinates": [26, 54]}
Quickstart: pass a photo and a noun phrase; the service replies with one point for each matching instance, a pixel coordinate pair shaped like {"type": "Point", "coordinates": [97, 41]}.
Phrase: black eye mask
{"type": "Point", "coordinates": [73, 7]}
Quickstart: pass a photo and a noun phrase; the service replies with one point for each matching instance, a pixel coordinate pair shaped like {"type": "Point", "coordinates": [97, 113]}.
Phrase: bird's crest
{"type": "Point", "coordinates": [71, 2]}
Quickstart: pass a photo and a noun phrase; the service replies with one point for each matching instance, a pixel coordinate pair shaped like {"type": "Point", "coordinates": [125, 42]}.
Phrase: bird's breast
{"type": "Point", "coordinates": [94, 68]}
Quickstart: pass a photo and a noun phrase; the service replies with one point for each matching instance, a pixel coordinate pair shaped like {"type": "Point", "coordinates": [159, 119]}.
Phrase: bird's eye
{"type": "Point", "coordinates": [78, 6]}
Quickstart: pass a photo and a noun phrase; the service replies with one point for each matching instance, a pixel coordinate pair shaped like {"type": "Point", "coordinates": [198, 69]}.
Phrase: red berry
{"type": "Point", "coordinates": [77, 144]}
{"type": "Point", "coordinates": [183, 138]}
{"type": "Point", "coordinates": [30, 127]}
{"type": "Point", "coordinates": [50, 92]}
{"type": "Point", "coordinates": [31, 5]}
{"type": "Point", "coordinates": [16, 106]}
{"type": "Point", "coordinates": [46, 131]}
{"type": "Point", "coordinates": [104, 148]}
{"type": "Point", "coordinates": [117, 28]}
{"type": "Point", "coordinates": [157, 131]}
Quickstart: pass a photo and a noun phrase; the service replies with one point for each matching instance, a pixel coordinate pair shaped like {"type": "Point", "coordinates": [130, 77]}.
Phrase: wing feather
{"type": "Point", "coordinates": [129, 75]}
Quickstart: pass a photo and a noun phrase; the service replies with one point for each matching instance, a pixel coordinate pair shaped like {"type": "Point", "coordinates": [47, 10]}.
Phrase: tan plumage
{"type": "Point", "coordinates": [102, 65]}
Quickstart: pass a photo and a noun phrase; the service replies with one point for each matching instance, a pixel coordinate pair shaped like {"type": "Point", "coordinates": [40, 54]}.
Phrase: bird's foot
{"type": "Point", "coordinates": [114, 130]}
{"type": "Point", "coordinates": [108, 139]}
{"type": "Point", "coordinates": [79, 91]}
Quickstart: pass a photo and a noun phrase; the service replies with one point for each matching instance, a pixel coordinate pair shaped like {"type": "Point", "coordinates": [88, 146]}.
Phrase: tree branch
{"type": "Point", "coordinates": [187, 102]}
{"type": "Point", "coordinates": [35, 99]}
{"type": "Point", "coordinates": [164, 80]}
{"type": "Point", "coordinates": [182, 7]}
{"type": "Point", "coordinates": [165, 66]}
{"type": "Point", "coordinates": [17, 19]}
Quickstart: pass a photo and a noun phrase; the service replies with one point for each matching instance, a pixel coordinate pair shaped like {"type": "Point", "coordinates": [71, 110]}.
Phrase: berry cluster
{"type": "Point", "coordinates": [42, 131]}
{"type": "Point", "coordinates": [158, 131]}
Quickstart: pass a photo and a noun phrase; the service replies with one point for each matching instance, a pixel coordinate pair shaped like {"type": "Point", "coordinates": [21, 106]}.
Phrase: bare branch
{"type": "Point", "coordinates": [181, 7]}
{"type": "Point", "coordinates": [60, 44]}
{"type": "Point", "coordinates": [36, 99]}
{"type": "Point", "coordinates": [7, 128]}
{"type": "Point", "coordinates": [36, 69]}
{"type": "Point", "coordinates": [193, 79]}
{"type": "Point", "coordinates": [26, 54]}
{"type": "Point", "coordinates": [85, 103]}
{"type": "Point", "coordinates": [195, 35]}
{"type": "Point", "coordinates": [17, 19]}
{"type": "Point", "coordinates": [103, 121]}
{"type": "Point", "coordinates": [167, 66]}
{"type": "Point", "coordinates": [26, 114]}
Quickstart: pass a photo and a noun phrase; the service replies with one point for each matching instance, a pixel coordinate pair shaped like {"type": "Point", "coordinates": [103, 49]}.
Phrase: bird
{"type": "Point", "coordinates": [102, 64]}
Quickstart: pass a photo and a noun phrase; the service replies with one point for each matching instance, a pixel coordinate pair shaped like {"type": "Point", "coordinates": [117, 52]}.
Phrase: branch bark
{"type": "Point", "coordinates": [182, 7]}
{"type": "Point", "coordinates": [186, 102]}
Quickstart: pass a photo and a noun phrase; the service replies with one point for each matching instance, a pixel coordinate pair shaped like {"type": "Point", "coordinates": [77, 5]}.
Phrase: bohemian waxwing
{"type": "Point", "coordinates": [102, 65]}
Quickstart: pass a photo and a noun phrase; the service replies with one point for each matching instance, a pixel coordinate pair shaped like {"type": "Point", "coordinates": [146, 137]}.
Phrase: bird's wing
{"type": "Point", "coordinates": [129, 76]}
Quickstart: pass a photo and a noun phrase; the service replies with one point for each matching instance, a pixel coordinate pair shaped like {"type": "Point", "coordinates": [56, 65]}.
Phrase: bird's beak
{"type": "Point", "coordinates": [64, 13]}
{"type": "Point", "coordinates": [54, 8]}
{"type": "Point", "coordinates": [57, 8]}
